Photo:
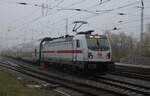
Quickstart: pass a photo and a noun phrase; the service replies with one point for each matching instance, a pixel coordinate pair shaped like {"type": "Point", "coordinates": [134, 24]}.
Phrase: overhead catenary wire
{"type": "Point", "coordinates": [34, 11]}
{"type": "Point", "coordinates": [118, 8]}
{"type": "Point", "coordinates": [35, 19]}
{"type": "Point", "coordinates": [124, 22]}
{"type": "Point", "coordinates": [100, 14]}
{"type": "Point", "coordinates": [74, 9]}
{"type": "Point", "coordinates": [85, 10]}
{"type": "Point", "coordinates": [28, 15]}
{"type": "Point", "coordinates": [111, 10]}
{"type": "Point", "coordinates": [108, 11]}
{"type": "Point", "coordinates": [119, 26]}
{"type": "Point", "coordinates": [81, 9]}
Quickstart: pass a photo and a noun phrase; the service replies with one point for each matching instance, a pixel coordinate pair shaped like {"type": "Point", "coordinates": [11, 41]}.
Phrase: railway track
{"type": "Point", "coordinates": [86, 89]}
{"type": "Point", "coordinates": [126, 87]}
{"type": "Point", "coordinates": [91, 86]}
{"type": "Point", "coordinates": [131, 75]}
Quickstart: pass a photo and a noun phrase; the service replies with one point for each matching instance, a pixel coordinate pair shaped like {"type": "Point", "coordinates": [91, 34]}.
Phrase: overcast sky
{"type": "Point", "coordinates": [39, 18]}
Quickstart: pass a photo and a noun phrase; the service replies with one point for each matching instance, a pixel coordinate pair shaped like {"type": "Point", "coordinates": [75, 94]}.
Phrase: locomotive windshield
{"type": "Point", "coordinates": [95, 43]}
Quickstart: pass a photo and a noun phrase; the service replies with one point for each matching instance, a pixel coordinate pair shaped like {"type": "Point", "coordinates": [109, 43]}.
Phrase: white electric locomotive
{"type": "Point", "coordinates": [84, 50]}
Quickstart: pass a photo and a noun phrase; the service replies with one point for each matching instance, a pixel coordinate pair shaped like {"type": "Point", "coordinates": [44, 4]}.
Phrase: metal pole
{"type": "Point", "coordinates": [66, 26]}
{"type": "Point", "coordinates": [141, 35]}
{"type": "Point", "coordinates": [32, 34]}
{"type": "Point", "coordinates": [2, 39]}
{"type": "Point", "coordinates": [24, 36]}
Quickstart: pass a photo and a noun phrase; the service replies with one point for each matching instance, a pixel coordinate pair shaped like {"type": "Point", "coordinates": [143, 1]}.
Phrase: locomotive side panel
{"type": "Point", "coordinates": [81, 49]}
{"type": "Point", "coordinates": [64, 51]}
{"type": "Point", "coordinates": [58, 52]}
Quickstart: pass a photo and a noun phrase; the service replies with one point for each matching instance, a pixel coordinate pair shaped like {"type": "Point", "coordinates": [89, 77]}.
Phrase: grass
{"type": "Point", "coordinates": [10, 86]}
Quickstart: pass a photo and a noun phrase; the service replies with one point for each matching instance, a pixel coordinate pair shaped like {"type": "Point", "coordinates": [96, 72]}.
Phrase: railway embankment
{"type": "Point", "coordinates": [11, 85]}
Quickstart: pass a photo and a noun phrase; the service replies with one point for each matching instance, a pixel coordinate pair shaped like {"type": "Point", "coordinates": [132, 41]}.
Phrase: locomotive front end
{"type": "Point", "coordinates": [98, 48]}
{"type": "Point", "coordinates": [99, 52]}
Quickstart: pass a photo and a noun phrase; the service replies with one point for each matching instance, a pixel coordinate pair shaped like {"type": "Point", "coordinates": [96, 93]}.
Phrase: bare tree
{"type": "Point", "coordinates": [146, 49]}
{"type": "Point", "coordinates": [122, 45]}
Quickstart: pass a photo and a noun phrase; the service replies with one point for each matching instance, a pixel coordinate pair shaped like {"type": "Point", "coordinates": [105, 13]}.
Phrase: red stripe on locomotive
{"type": "Point", "coordinates": [63, 51]}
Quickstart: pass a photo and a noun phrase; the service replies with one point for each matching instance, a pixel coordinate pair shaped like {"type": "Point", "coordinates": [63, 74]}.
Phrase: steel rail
{"type": "Point", "coordinates": [131, 75]}
{"type": "Point", "coordinates": [139, 89]}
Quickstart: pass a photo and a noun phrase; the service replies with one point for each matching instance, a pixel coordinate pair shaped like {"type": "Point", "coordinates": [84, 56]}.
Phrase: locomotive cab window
{"type": "Point", "coordinates": [97, 43]}
{"type": "Point", "coordinates": [78, 43]}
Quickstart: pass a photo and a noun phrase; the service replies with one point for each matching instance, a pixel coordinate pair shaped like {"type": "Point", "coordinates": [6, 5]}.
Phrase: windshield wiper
{"type": "Point", "coordinates": [97, 43]}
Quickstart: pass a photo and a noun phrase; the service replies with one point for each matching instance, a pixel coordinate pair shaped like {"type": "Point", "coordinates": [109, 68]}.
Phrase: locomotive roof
{"type": "Point", "coordinates": [62, 39]}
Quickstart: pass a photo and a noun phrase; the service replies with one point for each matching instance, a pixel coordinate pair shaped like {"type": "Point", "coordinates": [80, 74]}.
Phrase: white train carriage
{"type": "Point", "coordinates": [29, 51]}
{"type": "Point", "coordinates": [83, 50]}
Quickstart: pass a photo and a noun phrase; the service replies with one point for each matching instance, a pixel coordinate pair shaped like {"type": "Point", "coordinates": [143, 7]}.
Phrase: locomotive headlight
{"type": "Point", "coordinates": [91, 36]}
{"type": "Point", "coordinates": [90, 56]}
{"type": "Point", "coordinates": [97, 37]}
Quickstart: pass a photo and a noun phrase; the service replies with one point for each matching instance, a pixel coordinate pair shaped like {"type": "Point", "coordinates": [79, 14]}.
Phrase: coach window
{"type": "Point", "coordinates": [78, 43]}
